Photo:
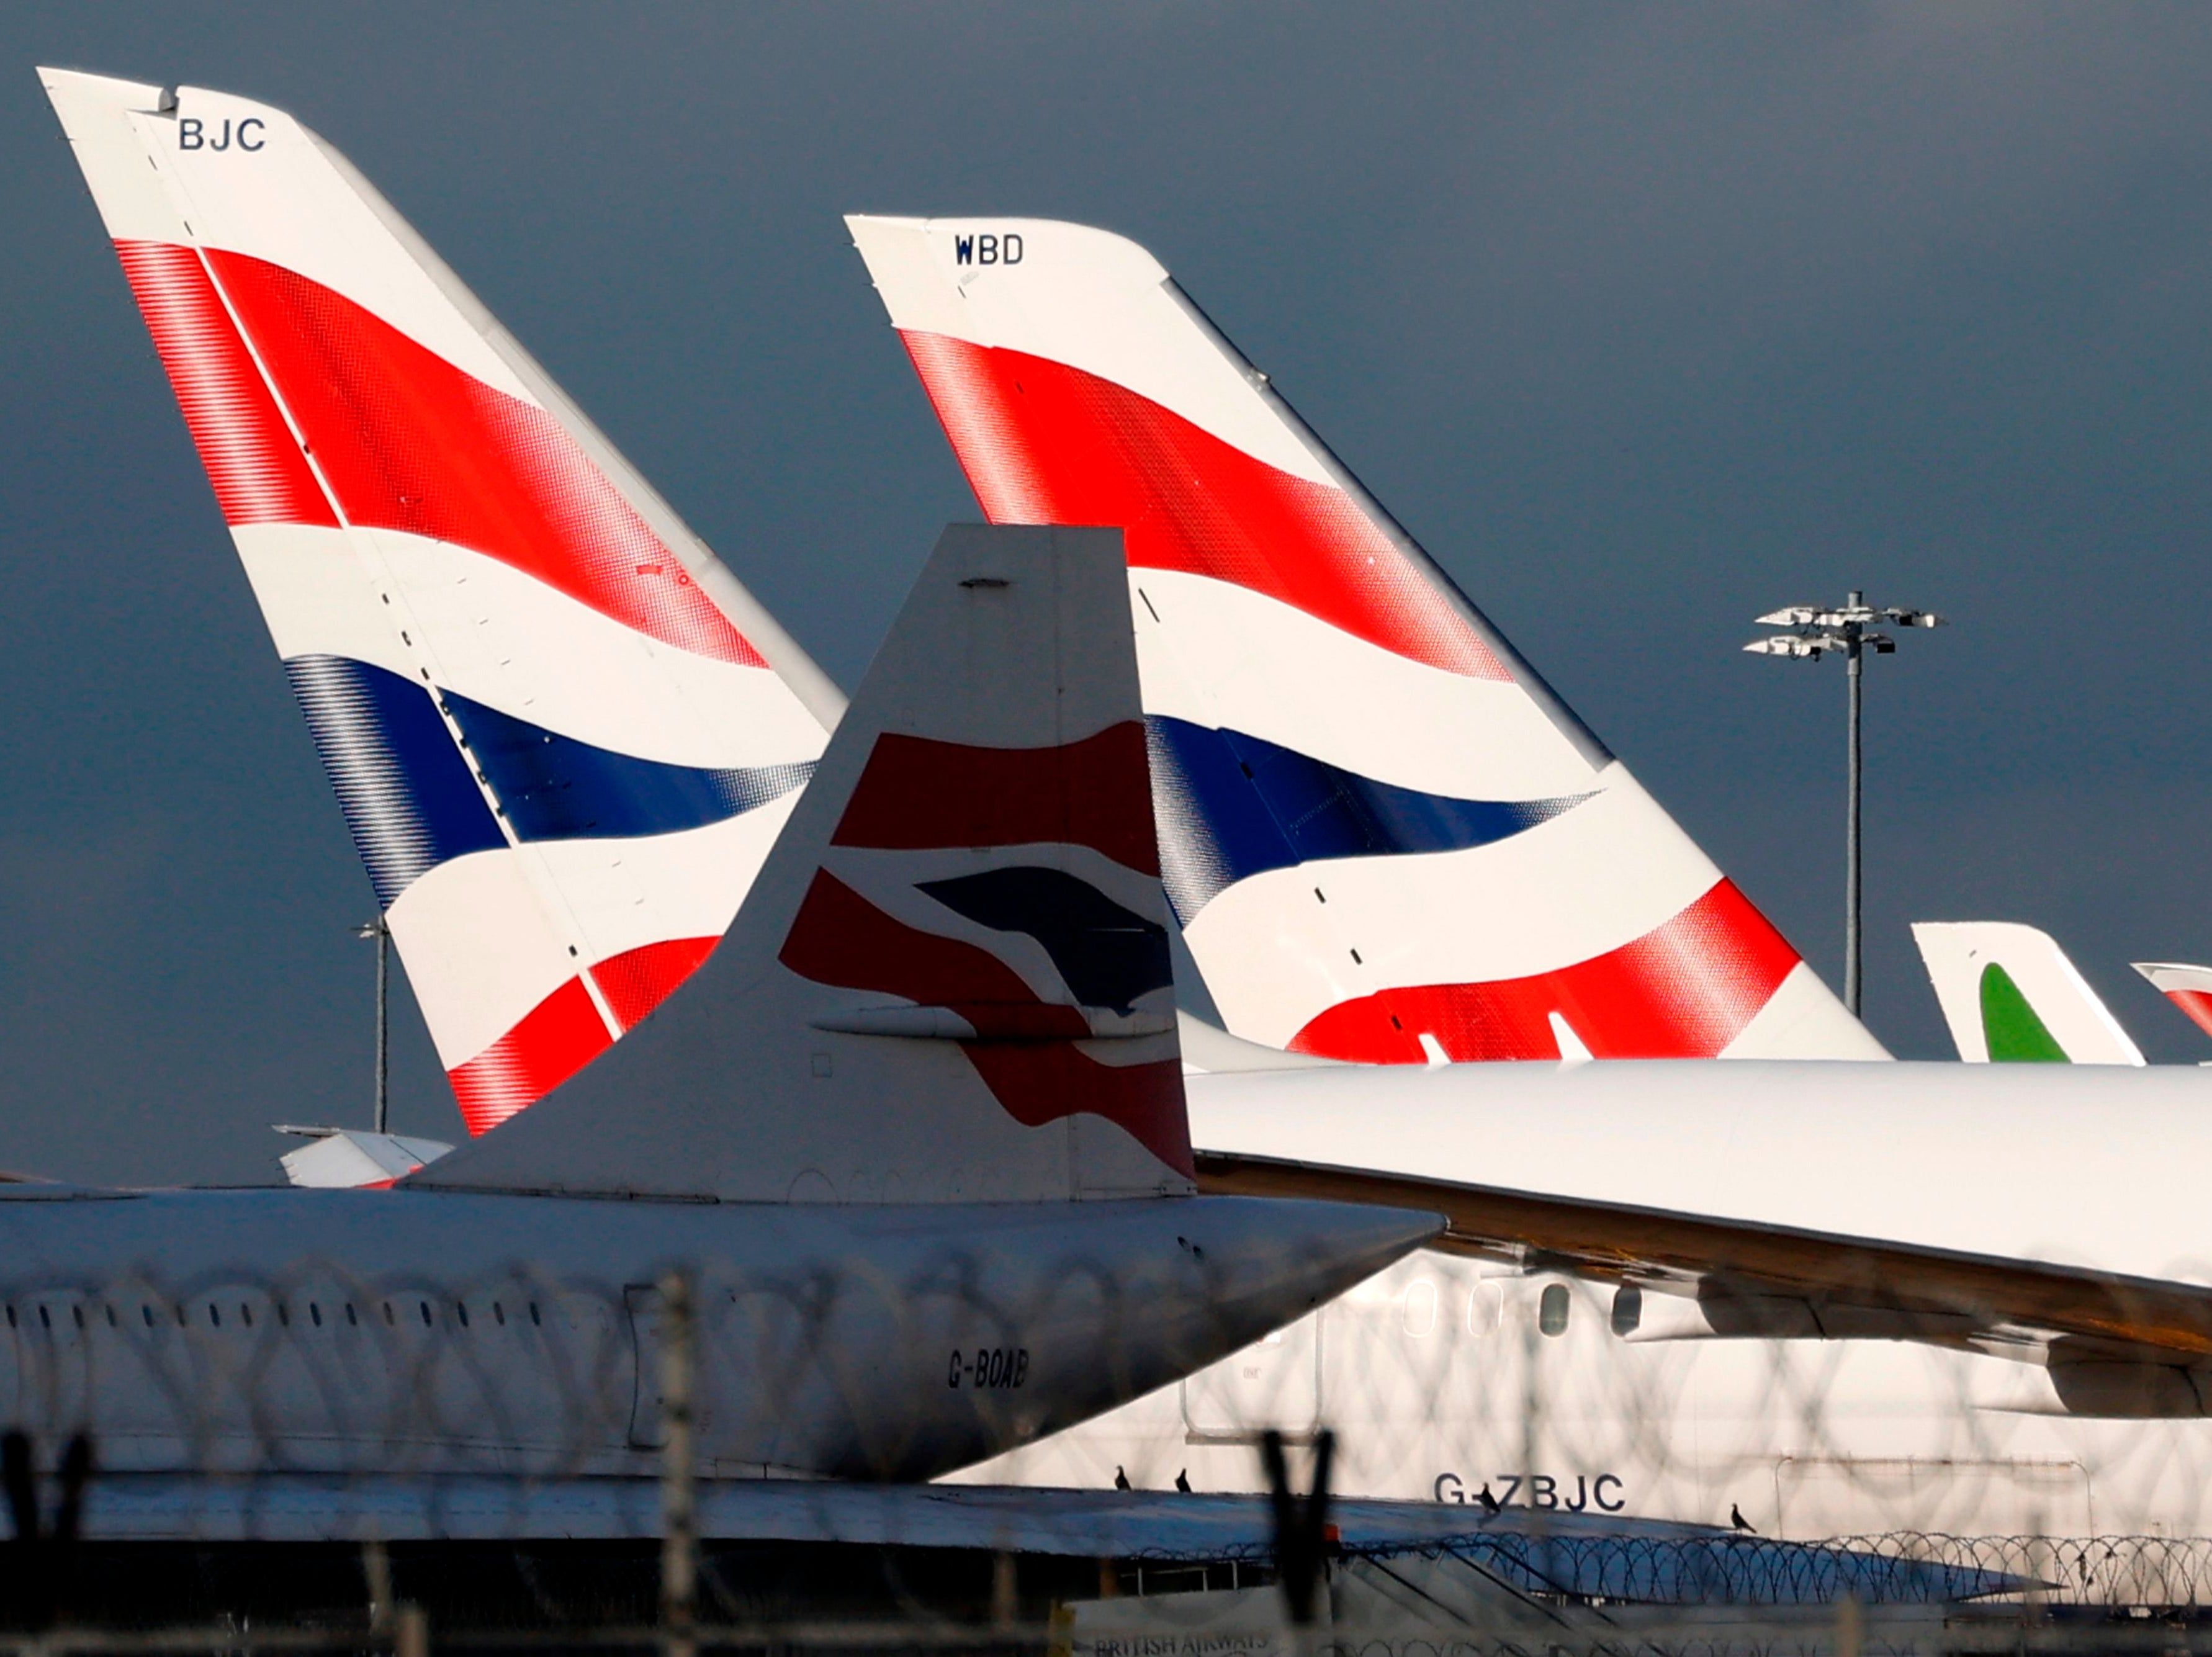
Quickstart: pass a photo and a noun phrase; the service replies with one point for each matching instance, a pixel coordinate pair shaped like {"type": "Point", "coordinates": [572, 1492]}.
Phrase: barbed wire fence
{"type": "Point", "coordinates": [1511, 1449]}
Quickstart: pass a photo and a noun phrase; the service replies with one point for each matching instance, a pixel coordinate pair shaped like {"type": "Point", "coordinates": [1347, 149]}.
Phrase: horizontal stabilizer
{"type": "Point", "coordinates": [1207, 1049]}
{"type": "Point", "coordinates": [351, 1159]}
{"type": "Point", "coordinates": [951, 981]}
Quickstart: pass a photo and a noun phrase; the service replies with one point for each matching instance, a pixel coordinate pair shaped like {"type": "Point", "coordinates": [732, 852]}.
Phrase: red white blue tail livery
{"type": "Point", "coordinates": [1385, 838]}
{"type": "Point", "coordinates": [563, 735]}
{"type": "Point", "coordinates": [951, 982]}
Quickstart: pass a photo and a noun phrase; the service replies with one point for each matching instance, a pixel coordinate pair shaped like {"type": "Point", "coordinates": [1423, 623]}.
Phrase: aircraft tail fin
{"type": "Point", "coordinates": [2188, 987]}
{"type": "Point", "coordinates": [2011, 995]}
{"type": "Point", "coordinates": [563, 734]}
{"type": "Point", "coordinates": [1385, 837]}
{"type": "Point", "coordinates": [952, 981]}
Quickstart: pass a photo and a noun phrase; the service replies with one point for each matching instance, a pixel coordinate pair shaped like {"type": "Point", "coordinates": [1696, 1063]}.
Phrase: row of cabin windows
{"type": "Point", "coordinates": [283, 1315]}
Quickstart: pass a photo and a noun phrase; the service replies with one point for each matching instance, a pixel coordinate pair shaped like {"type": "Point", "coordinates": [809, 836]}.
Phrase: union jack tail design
{"type": "Point", "coordinates": [1385, 838]}
{"type": "Point", "coordinates": [951, 982]}
{"type": "Point", "coordinates": [563, 735]}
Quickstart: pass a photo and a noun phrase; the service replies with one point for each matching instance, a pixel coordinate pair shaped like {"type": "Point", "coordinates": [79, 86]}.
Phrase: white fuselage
{"type": "Point", "coordinates": [1439, 1380]}
{"type": "Point", "coordinates": [439, 1331]}
{"type": "Point", "coordinates": [1440, 1377]}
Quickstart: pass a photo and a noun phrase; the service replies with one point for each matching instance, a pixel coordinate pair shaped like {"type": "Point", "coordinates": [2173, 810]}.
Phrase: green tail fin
{"type": "Point", "coordinates": [2015, 1034]}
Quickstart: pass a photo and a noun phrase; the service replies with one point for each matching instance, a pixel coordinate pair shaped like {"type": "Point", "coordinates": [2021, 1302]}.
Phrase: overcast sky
{"type": "Point", "coordinates": [1644, 320]}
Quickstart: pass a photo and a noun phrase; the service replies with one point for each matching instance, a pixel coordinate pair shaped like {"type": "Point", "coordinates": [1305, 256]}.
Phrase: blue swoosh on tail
{"type": "Point", "coordinates": [1230, 806]}
{"type": "Point", "coordinates": [555, 787]}
{"type": "Point", "coordinates": [412, 802]}
{"type": "Point", "coordinates": [405, 789]}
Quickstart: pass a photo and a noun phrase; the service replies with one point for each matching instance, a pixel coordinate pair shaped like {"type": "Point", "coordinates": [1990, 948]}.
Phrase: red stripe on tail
{"type": "Point", "coordinates": [258, 471]}
{"type": "Point", "coordinates": [408, 441]}
{"type": "Point", "coordinates": [555, 1040]}
{"type": "Point", "coordinates": [1043, 443]}
{"type": "Point", "coordinates": [2197, 1004]}
{"type": "Point", "coordinates": [917, 794]}
{"type": "Point", "coordinates": [1685, 990]}
{"type": "Point", "coordinates": [637, 980]}
{"type": "Point", "coordinates": [839, 937]}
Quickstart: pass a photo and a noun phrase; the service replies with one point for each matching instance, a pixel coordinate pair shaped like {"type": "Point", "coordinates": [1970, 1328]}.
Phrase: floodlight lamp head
{"type": "Point", "coordinates": [1790, 616]}
{"type": "Point", "coordinates": [1791, 644]}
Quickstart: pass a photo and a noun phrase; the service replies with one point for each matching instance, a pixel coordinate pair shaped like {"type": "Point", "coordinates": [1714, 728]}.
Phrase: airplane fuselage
{"type": "Point", "coordinates": [1445, 1377]}
{"type": "Point", "coordinates": [446, 1332]}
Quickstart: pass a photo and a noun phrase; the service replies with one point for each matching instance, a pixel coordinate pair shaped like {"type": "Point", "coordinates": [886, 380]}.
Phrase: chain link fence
{"type": "Point", "coordinates": [1519, 1457]}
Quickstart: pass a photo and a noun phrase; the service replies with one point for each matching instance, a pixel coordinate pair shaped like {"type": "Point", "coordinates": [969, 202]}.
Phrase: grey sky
{"type": "Point", "coordinates": [1644, 320]}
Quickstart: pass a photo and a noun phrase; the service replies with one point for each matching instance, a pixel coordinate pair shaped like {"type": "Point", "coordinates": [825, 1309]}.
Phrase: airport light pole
{"type": "Point", "coordinates": [1847, 631]}
{"type": "Point", "coordinates": [381, 931]}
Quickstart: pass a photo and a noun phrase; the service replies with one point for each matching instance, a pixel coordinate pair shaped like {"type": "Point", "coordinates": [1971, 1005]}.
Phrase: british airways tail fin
{"type": "Point", "coordinates": [951, 982]}
{"type": "Point", "coordinates": [563, 735]}
{"type": "Point", "coordinates": [2188, 987]}
{"type": "Point", "coordinates": [2010, 995]}
{"type": "Point", "coordinates": [1385, 837]}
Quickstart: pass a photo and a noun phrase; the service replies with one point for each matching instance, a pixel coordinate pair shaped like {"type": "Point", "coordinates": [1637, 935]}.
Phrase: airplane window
{"type": "Point", "coordinates": [45, 1322]}
{"type": "Point", "coordinates": [214, 1318]}
{"type": "Point", "coordinates": [533, 1312]}
{"type": "Point", "coordinates": [147, 1312]}
{"type": "Point", "coordinates": [1420, 1308]}
{"type": "Point", "coordinates": [245, 1313]}
{"type": "Point", "coordinates": [1627, 1308]}
{"type": "Point", "coordinates": [180, 1314]}
{"type": "Point", "coordinates": [110, 1317]}
{"type": "Point", "coordinates": [425, 1305]}
{"type": "Point", "coordinates": [283, 1315]}
{"type": "Point", "coordinates": [350, 1316]}
{"type": "Point", "coordinates": [77, 1312]}
{"type": "Point", "coordinates": [315, 1314]}
{"type": "Point", "coordinates": [388, 1313]}
{"type": "Point", "coordinates": [1485, 1307]}
{"type": "Point", "coordinates": [11, 1317]}
{"type": "Point", "coordinates": [499, 1313]}
{"type": "Point", "coordinates": [1552, 1309]}
{"type": "Point", "coordinates": [462, 1306]}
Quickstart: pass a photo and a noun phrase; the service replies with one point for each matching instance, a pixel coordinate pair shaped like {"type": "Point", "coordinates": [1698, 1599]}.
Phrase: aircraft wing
{"type": "Point", "coordinates": [2116, 1344]}
{"type": "Point", "coordinates": [2039, 1212]}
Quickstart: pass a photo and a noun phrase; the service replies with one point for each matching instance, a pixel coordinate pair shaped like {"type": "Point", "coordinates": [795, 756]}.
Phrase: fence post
{"type": "Point", "coordinates": [413, 1640]}
{"type": "Point", "coordinates": [376, 1568]}
{"type": "Point", "coordinates": [1850, 1626]}
{"type": "Point", "coordinates": [679, 1517]}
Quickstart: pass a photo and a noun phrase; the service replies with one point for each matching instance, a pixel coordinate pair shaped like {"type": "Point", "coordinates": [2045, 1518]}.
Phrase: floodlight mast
{"type": "Point", "coordinates": [1813, 633]}
{"type": "Point", "coordinates": [380, 930]}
